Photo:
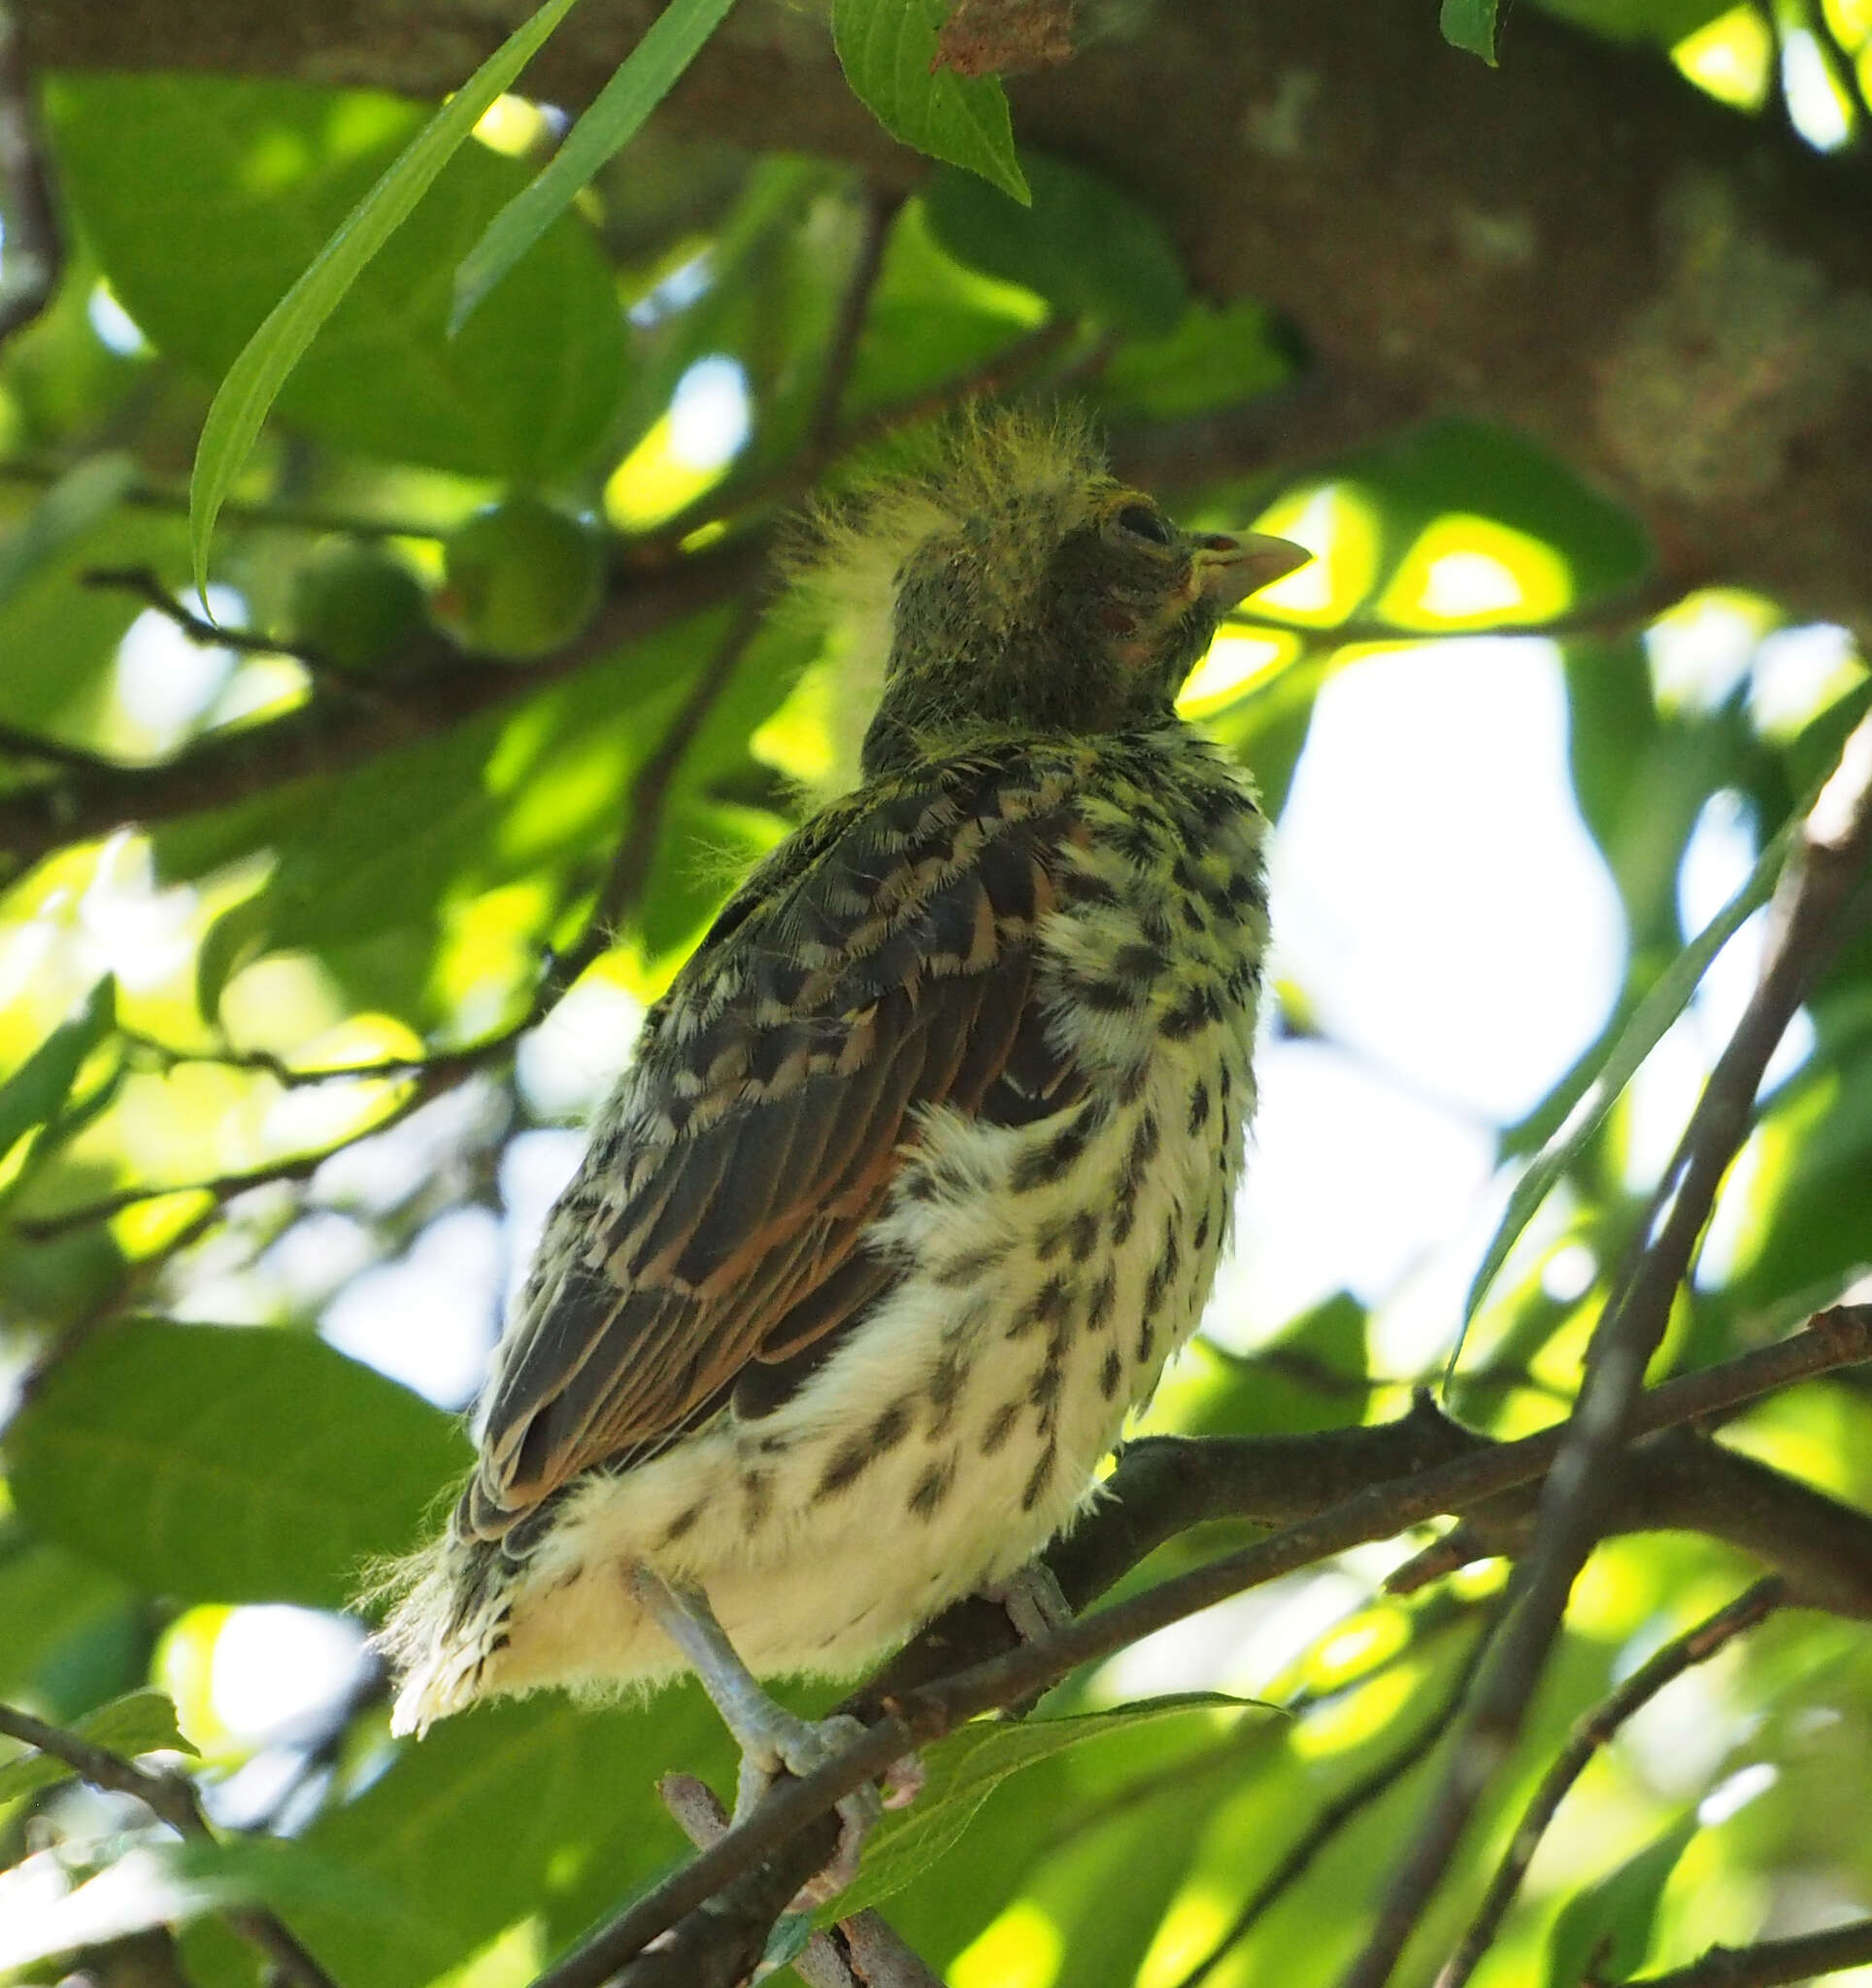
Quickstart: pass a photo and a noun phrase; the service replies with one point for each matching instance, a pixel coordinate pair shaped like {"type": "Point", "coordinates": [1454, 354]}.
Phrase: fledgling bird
{"type": "Point", "coordinates": [922, 1167]}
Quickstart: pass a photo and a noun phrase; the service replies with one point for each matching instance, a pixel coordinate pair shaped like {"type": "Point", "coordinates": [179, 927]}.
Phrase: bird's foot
{"type": "Point", "coordinates": [776, 1743]}
{"type": "Point", "coordinates": [1033, 1600]}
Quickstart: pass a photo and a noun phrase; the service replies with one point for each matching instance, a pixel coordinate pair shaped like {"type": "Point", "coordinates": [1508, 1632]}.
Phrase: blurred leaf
{"type": "Point", "coordinates": [932, 318]}
{"type": "Point", "coordinates": [1084, 244]}
{"type": "Point", "coordinates": [1662, 23]}
{"type": "Point", "coordinates": [228, 1464]}
{"type": "Point", "coordinates": [493, 1814]}
{"type": "Point", "coordinates": [58, 637]}
{"type": "Point", "coordinates": [1604, 1932]}
{"type": "Point", "coordinates": [640, 83]}
{"type": "Point", "coordinates": [1470, 24]}
{"type": "Point", "coordinates": [33, 1094]}
{"type": "Point", "coordinates": [273, 170]}
{"type": "Point", "coordinates": [1601, 1089]}
{"type": "Point", "coordinates": [965, 1769]}
{"type": "Point", "coordinates": [251, 384]}
{"type": "Point", "coordinates": [507, 814]}
{"type": "Point", "coordinates": [887, 50]}
{"type": "Point", "coordinates": [141, 1722]}
{"type": "Point", "coordinates": [1810, 1218]}
{"type": "Point", "coordinates": [82, 497]}
{"type": "Point", "coordinates": [1211, 357]}
{"type": "Point", "coordinates": [47, 1599]}
{"type": "Point", "coordinates": [172, 1883]}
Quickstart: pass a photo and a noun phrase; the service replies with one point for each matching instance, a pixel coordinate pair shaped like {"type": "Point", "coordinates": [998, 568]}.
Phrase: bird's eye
{"type": "Point", "coordinates": [1142, 522]}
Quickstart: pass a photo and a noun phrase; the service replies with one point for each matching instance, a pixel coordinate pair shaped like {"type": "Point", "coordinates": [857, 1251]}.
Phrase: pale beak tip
{"type": "Point", "coordinates": [1241, 563]}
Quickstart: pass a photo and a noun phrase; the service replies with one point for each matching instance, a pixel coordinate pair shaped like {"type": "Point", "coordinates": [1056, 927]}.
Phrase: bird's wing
{"type": "Point", "coordinates": [711, 1236]}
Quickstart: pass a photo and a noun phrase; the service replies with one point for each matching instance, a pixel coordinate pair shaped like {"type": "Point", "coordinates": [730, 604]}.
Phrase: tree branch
{"type": "Point", "coordinates": [1771, 1960]}
{"type": "Point", "coordinates": [1589, 1734]}
{"type": "Point", "coordinates": [172, 1800]}
{"type": "Point", "coordinates": [1826, 872]}
{"type": "Point", "coordinates": [791, 1833]}
{"type": "Point", "coordinates": [35, 255]}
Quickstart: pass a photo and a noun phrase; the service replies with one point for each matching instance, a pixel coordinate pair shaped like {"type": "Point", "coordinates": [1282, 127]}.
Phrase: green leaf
{"type": "Point", "coordinates": [640, 83]}
{"type": "Point", "coordinates": [241, 404]}
{"type": "Point", "coordinates": [32, 1095]}
{"type": "Point", "coordinates": [1600, 1090]}
{"type": "Point", "coordinates": [1470, 24]}
{"type": "Point", "coordinates": [887, 50]}
{"type": "Point", "coordinates": [80, 499]}
{"type": "Point", "coordinates": [1603, 1933]}
{"type": "Point", "coordinates": [1081, 242]}
{"type": "Point", "coordinates": [47, 1599]}
{"type": "Point", "coordinates": [228, 1464]}
{"type": "Point", "coordinates": [268, 171]}
{"type": "Point", "coordinates": [966, 1767]}
{"type": "Point", "coordinates": [498, 1813]}
{"type": "Point", "coordinates": [140, 1722]}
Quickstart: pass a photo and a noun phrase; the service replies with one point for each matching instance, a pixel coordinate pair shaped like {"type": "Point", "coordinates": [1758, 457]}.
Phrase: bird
{"type": "Point", "coordinates": [923, 1164]}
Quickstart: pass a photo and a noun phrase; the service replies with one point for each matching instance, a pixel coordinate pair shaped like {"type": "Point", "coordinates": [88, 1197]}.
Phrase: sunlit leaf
{"type": "Point", "coordinates": [1471, 25]}
{"type": "Point", "coordinates": [887, 50]}
{"type": "Point", "coordinates": [32, 1095]}
{"type": "Point", "coordinates": [254, 381]}
{"type": "Point", "coordinates": [141, 1722]}
{"type": "Point", "coordinates": [639, 85]}
{"type": "Point", "coordinates": [223, 1464]}
{"type": "Point", "coordinates": [80, 499]}
{"type": "Point", "coordinates": [1603, 1933]}
{"type": "Point", "coordinates": [1084, 244]}
{"type": "Point", "coordinates": [965, 1769]}
{"type": "Point", "coordinates": [1602, 1088]}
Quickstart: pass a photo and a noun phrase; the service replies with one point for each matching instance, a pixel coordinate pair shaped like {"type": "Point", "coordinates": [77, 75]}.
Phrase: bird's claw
{"type": "Point", "coordinates": [799, 1746]}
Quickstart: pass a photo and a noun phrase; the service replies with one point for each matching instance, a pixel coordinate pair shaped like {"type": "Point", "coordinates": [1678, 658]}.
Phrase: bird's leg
{"type": "Point", "coordinates": [1033, 1600]}
{"type": "Point", "coordinates": [772, 1740]}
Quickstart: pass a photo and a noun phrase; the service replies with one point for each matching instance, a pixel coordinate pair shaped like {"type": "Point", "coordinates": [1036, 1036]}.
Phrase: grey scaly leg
{"type": "Point", "coordinates": [772, 1739]}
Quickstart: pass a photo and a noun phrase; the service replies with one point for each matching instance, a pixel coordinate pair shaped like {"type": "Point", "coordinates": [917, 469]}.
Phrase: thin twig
{"type": "Point", "coordinates": [863, 1951]}
{"type": "Point", "coordinates": [172, 1800]}
{"type": "Point", "coordinates": [145, 585]}
{"type": "Point", "coordinates": [1642, 600]}
{"type": "Point", "coordinates": [426, 1082]}
{"type": "Point", "coordinates": [25, 744]}
{"type": "Point", "coordinates": [786, 485]}
{"type": "Point", "coordinates": [1344, 1808]}
{"type": "Point", "coordinates": [793, 1821]}
{"type": "Point", "coordinates": [1591, 1732]}
{"type": "Point", "coordinates": [878, 208]}
{"type": "Point", "coordinates": [172, 501]}
{"type": "Point", "coordinates": [649, 788]}
{"type": "Point", "coordinates": [430, 1076]}
{"type": "Point", "coordinates": [1825, 872]}
{"type": "Point", "coordinates": [35, 242]}
{"type": "Point", "coordinates": [1771, 1960]}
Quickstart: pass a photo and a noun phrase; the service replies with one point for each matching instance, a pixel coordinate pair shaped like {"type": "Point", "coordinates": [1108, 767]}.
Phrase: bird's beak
{"type": "Point", "coordinates": [1230, 566]}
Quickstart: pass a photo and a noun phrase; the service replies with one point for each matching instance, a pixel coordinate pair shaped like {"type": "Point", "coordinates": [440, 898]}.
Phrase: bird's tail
{"type": "Point", "coordinates": [447, 1619]}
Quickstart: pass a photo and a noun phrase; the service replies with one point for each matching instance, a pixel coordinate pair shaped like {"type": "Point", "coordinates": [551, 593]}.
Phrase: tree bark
{"type": "Point", "coordinates": [1675, 298]}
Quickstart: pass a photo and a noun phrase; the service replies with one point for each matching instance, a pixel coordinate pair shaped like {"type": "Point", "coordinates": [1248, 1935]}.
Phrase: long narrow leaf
{"type": "Point", "coordinates": [642, 80]}
{"type": "Point", "coordinates": [1661, 1006]}
{"type": "Point", "coordinates": [254, 381]}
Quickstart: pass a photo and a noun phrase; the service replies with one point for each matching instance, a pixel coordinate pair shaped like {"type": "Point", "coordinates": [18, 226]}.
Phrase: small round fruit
{"type": "Point", "coordinates": [519, 580]}
{"type": "Point", "coordinates": [355, 606]}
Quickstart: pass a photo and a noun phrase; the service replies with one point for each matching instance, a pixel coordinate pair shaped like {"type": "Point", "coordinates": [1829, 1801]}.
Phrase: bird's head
{"type": "Point", "coordinates": [1015, 586]}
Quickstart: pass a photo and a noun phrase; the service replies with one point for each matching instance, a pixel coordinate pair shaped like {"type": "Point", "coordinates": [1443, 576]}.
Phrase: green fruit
{"type": "Point", "coordinates": [519, 580]}
{"type": "Point", "coordinates": [355, 606]}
